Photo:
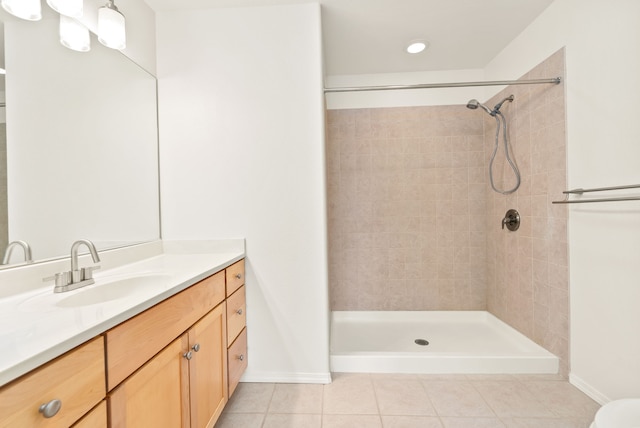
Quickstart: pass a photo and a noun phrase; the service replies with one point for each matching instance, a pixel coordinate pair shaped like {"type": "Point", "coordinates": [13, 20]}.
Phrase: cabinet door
{"type": "Point", "coordinates": [96, 418]}
{"type": "Point", "coordinates": [157, 395]}
{"type": "Point", "coordinates": [208, 368]}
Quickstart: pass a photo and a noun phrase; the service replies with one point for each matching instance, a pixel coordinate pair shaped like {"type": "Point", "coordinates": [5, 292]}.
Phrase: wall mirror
{"type": "Point", "coordinates": [81, 152]}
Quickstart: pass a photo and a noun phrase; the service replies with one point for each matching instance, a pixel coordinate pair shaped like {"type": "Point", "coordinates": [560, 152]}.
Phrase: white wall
{"type": "Point", "coordinates": [242, 155]}
{"type": "Point", "coordinates": [602, 40]}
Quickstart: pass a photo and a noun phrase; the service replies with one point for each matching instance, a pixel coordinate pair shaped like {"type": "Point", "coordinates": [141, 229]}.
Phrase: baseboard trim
{"type": "Point", "coordinates": [588, 389]}
{"type": "Point", "coordinates": [286, 377]}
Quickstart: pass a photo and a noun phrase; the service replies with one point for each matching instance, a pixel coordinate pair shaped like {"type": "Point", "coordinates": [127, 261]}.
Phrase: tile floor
{"type": "Point", "coordinates": [411, 401]}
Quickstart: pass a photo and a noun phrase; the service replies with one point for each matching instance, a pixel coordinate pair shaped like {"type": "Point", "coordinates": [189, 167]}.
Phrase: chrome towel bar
{"type": "Point", "coordinates": [598, 189]}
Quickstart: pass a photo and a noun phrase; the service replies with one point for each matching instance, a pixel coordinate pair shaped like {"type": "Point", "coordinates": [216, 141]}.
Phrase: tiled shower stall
{"type": "Point", "coordinates": [414, 224]}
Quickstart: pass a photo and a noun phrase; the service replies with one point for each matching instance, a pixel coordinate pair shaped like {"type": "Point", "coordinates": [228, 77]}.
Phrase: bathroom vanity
{"type": "Point", "coordinates": [167, 355]}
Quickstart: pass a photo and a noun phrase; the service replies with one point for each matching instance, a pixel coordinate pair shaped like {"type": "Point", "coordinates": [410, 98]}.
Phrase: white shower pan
{"type": "Point", "coordinates": [458, 342]}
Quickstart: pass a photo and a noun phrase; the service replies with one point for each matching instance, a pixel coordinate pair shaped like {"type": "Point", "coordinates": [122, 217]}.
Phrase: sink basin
{"type": "Point", "coordinates": [105, 290]}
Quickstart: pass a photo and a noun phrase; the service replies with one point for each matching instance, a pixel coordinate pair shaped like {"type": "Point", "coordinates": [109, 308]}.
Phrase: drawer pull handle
{"type": "Point", "coordinates": [239, 311]}
{"type": "Point", "coordinates": [241, 357]}
{"type": "Point", "coordinates": [188, 355]}
{"type": "Point", "coordinates": [239, 276]}
{"type": "Point", "coordinates": [51, 408]}
{"type": "Point", "coordinates": [196, 347]}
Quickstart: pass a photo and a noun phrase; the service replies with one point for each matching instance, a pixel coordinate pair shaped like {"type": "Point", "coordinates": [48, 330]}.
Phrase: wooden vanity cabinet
{"type": "Point", "coordinates": [185, 383]}
{"type": "Point", "coordinates": [76, 379]}
{"type": "Point", "coordinates": [173, 365]}
{"type": "Point", "coordinates": [236, 324]}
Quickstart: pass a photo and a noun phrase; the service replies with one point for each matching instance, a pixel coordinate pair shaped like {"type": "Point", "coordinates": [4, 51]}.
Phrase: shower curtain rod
{"type": "Point", "coordinates": [555, 80]}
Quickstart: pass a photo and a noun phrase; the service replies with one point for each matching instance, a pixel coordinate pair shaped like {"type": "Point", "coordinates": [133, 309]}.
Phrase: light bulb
{"type": "Point", "coordinates": [25, 9]}
{"type": "Point", "coordinates": [74, 35]}
{"type": "Point", "coordinates": [417, 46]}
{"type": "Point", "coordinates": [111, 27]}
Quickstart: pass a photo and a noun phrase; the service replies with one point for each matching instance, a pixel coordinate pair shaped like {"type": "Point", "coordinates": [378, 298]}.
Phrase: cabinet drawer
{"type": "Point", "coordinates": [236, 314]}
{"type": "Point", "coordinates": [132, 343]}
{"type": "Point", "coordinates": [235, 277]}
{"type": "Point", "coordinates": [75, 378]}
{"type": "Point", "coordinates": [237, 360]}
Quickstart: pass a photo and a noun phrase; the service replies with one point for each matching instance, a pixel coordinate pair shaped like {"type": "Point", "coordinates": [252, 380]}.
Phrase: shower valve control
{"type": "Point", "coordinates": [511, 220]}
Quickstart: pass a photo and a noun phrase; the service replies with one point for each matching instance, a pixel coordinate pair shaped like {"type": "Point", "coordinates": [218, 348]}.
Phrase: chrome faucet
{"type": "Point", "coordinates": [76, 278]}
{"type": "Point", "coordinates": [27, 252]}
{"type": "Point", "coordinates": [80, 275]}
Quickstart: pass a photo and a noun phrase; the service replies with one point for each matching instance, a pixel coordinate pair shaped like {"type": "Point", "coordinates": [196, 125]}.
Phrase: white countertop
{"type": "Point", "coordinates": [38, 325]}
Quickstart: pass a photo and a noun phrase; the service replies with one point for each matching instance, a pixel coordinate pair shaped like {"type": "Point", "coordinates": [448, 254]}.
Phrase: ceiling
{"type": "Point", "coordinates": [369, 36]}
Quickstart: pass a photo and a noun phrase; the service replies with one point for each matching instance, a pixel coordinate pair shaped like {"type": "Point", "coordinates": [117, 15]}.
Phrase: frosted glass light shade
{"type": "Point", "coordinates": [71, 8]}
{"type": "Point", "coordinates": [25, 9]}
{"type": "Point", "coordinates": [111, 27]}
{"type": "Point", "coordinates": [74, 35]}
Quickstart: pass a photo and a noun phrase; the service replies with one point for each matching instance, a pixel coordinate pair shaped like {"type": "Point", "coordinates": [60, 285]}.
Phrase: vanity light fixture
{"type": "Point", "coordinates": [31, 10]}
{"type": "Point", "coordinates": [417, 46]}
{"type": "Point", "coordinates": [74, 35]}
{"type": "Point", "coordinates": [72, 8]}
{"type": "Point", "coordinates": [111, 26]}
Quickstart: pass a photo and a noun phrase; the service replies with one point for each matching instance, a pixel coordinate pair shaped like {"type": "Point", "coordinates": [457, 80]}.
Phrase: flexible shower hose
{"type": "Point", "coordinates": [513, 166]}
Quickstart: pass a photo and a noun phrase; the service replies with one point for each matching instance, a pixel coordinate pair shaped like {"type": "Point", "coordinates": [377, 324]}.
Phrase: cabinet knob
{"type": "Point", "coordinates": [188, 355]}
{"type": "Point", "coordinates": [239, 311]}
{"type": "Point", "coordinates": [238, 275]}
{"type": "Point", "coordinates": [51, 408]}
{"type": "Point", "coordinates": [196, 347]}
{"type": "Point", "coordinates": [241, 357]}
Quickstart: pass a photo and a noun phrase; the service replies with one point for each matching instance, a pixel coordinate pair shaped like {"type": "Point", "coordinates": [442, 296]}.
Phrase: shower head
{"type": "Point", "coordinates": [497, 107]}
{"type": "Point", "coordinates": [474, 104]}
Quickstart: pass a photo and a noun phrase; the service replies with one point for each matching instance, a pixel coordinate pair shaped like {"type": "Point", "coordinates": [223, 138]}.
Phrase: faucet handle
{"type": "Point", "coordinates": [87, 272]}
{"type": "Point", "coordinates": [60, 279]}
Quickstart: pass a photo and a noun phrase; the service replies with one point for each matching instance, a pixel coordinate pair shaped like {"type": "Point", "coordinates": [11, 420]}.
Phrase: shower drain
{"type": "Point", "coordinates": [421, 342]}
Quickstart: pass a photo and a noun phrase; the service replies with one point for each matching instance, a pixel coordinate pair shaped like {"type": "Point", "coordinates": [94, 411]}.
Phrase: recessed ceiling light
{"type": "Point", "coordinates": [417, 46]}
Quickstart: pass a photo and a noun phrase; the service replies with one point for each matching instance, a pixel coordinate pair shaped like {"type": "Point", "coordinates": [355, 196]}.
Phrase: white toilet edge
{"type": "Point", "coordinates": [623, 413]}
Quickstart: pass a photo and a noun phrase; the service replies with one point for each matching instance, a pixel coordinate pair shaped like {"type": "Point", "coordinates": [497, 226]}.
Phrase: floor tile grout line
{"type": "Point", "coordinates": [266, 412]}
{"type": "Point", "coordinates": [424, 388]}
{"type": "Point", "coordinates": [483, 398]}
{"type": "Point", "coordinates": [375, 397]}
